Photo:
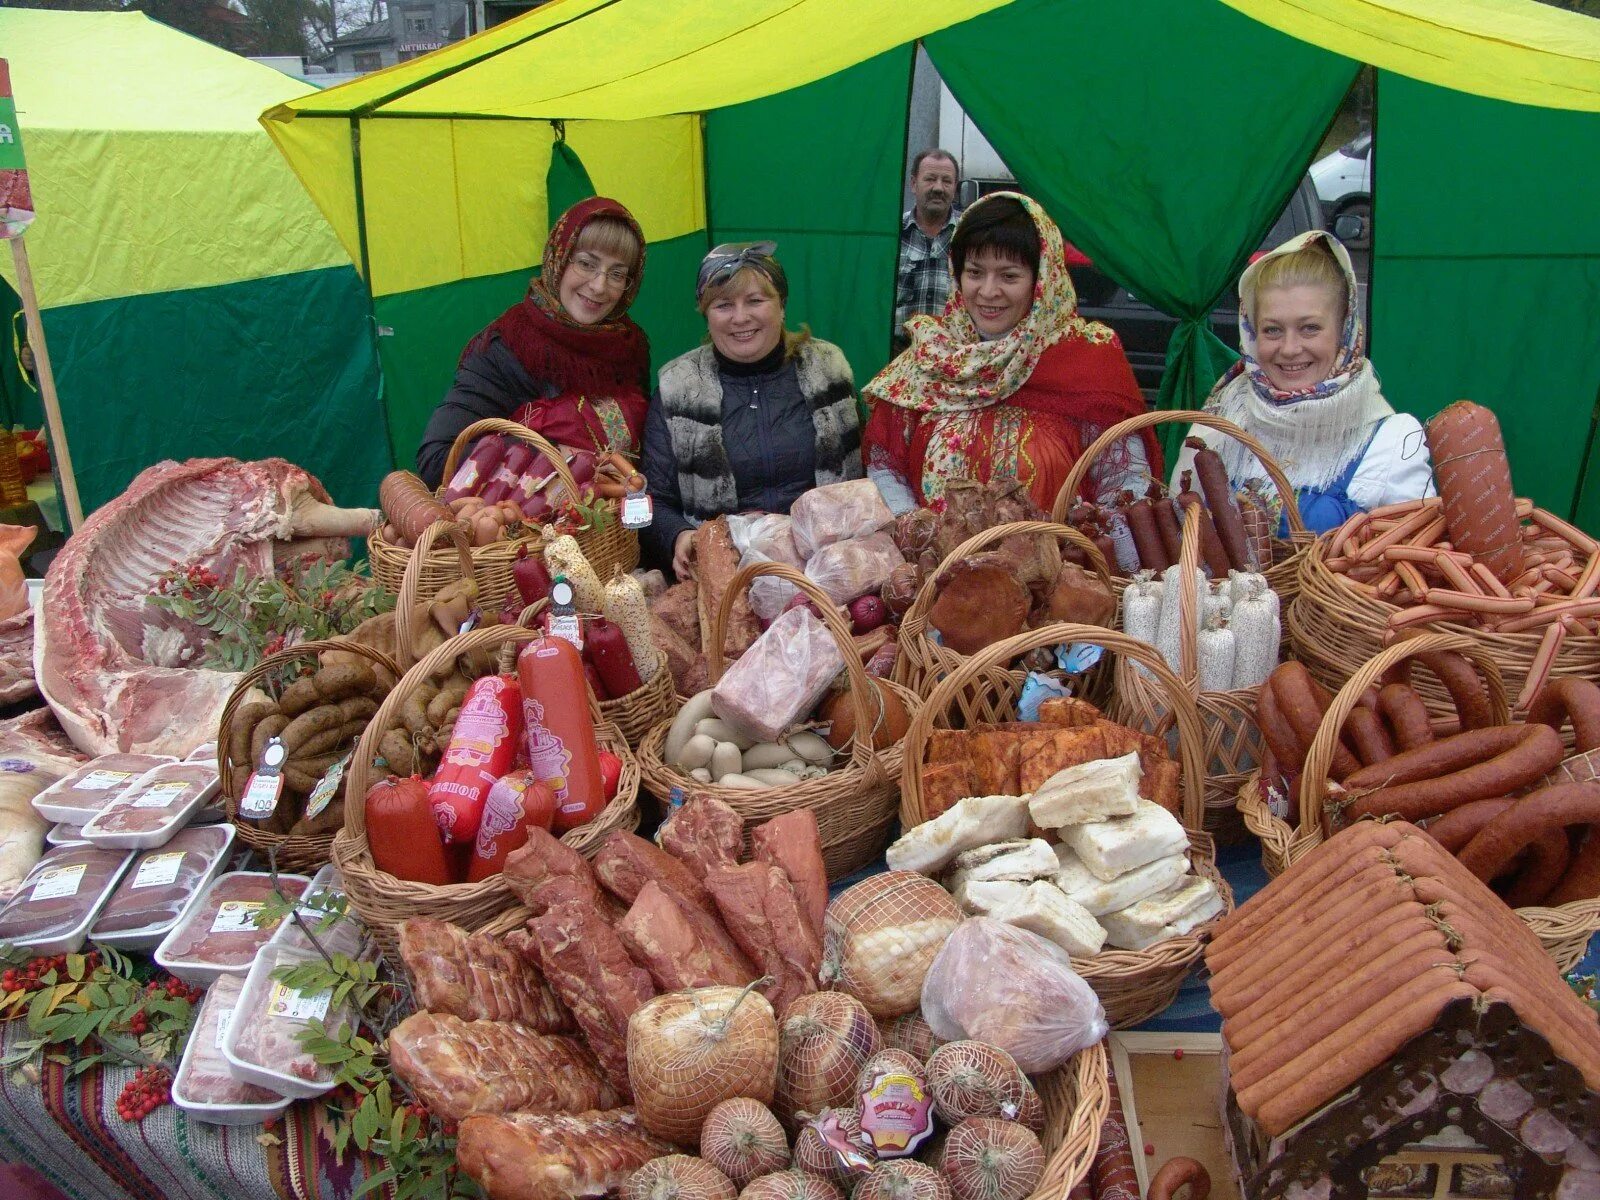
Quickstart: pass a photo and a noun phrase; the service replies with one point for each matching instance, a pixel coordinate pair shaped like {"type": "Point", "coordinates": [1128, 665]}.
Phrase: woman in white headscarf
{"type": "Point", "coordinates": [1305, 389]}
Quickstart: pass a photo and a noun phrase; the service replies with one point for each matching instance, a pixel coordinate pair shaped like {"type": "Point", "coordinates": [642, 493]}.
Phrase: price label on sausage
{"type": "Point", "coordinates": [295, 1005]}
{"type": "Point", "coordinates": [99, 781]}
{"type": "Point", "coordinates": [260, 797]}
{"type": "Point", "coordinates": [158, 870]}
{"type": "Point", "coordinates": [638, 510]}
{"type": "Point", "coordinates": [161, 795]}
{"type": "Point", "coordinates": [326, 787]}
{"type": "Point", "coordinates": [237, 916]}
{"type": "Point", "coordinates": [59, 881]}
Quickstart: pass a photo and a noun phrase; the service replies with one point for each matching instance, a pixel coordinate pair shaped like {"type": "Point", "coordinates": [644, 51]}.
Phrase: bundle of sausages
{"type": "Point", "coordinates": [1235, 530]}
{"type": "Point", "coordinates": [1487, 793]}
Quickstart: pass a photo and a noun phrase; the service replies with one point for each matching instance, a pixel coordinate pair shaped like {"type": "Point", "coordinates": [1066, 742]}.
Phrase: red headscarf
{"type": "Point", "coordinates": [608, 359]}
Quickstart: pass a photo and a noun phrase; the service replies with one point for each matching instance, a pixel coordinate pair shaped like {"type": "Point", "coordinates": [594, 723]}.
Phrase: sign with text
{"type": "Point", "coordinates": [16, 201]}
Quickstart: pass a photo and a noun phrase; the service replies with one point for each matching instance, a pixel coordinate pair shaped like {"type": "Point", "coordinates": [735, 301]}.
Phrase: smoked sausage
{"type": "Point", "coordinates": [1407, 715]}
{"type": "Point", "coordinates": [1461, 680]}
{"type": "Point", "coordinates": [1460, 825]}
{"type": "Point", "coordinates": [1146, 538]}
{"type": "Point", "coordinates": [1176, 1174]}
{"type": "Point", "coordinates": [1532, 752]}
{"type": "Point", "coordinates": [1369, 736]}
{"type": "Point", "coordinates": [1570, 699]}
{"type": "Point", "coordinates": [1529, 819]}
{"type": "Point", "coordinates": [1582, 879]}
{"type": "Point", "coordinates": [1167, 526]}
{"type": "Point", "coordinates": [1547, 860]}
{"type": "Point", "coordinates": [1213, 475]}
{"type": "Point", "coordinates": [1211, 551]}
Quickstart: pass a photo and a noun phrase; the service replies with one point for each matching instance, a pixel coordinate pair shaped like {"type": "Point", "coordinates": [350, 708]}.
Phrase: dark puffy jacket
{"type": "Point", "coordinates": [489, 383]}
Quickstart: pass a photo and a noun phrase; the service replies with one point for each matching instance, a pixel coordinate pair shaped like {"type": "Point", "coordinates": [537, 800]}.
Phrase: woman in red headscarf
{"type": "Point", "coordinates": [566, 361]}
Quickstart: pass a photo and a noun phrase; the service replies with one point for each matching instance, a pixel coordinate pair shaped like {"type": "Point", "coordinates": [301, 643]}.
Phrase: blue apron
{"type": "Point", "coordinates": [1328, 508]}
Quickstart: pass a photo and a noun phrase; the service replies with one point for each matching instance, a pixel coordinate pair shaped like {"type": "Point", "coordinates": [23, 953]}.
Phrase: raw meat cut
{"type": "Point", "coordinates": [37, 737]}
{"type": "Point", "coordinates": [555, 1156]}
{"type": "Point", "coordinates": [476, 977]}
{"type": "Point", "coordinates": [793, 843]}
{"type": "Point", "coordinates": [760, 908]}
{"type": "Point", "coordinates": [16, 658]}
{"type": "Point", "coordinates": [122, 674]}
{"type": "Point", "coordinates": [703, 833]}
{"type": "Point", "coordinates": [459, 1067]}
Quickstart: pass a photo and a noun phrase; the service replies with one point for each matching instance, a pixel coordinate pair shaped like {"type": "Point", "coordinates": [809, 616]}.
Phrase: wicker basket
{"type": "Point", "coordinates": [411, 593]}
{"type": "Point", "coordinates": [1134, 985]}
{"type": "Point", "coordinates": [1284, 574]}
{"type": "Point", "coordinates": [1232, 746]}
{"type": "Point", "coordinates": [1077, 1097]}
{"type": "Point", "coordinates": [381, 900]}
{"type": "Point", "coordinates": [1564, 931]}
{"type": "Point", "coordinates": [605, 546]}
{"type": "Point", "coordinates": [301, 850]}
{"type": "Point", "coordinates": [922, 662]}
{"type": "Point", "coordinates": [1332, 628]}
{"type": "Point", "coordinates": [855, 805]}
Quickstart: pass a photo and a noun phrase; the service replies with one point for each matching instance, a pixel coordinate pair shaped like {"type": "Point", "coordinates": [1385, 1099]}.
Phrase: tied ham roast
{"type": "Point", "coordinates": [458, 1067]}
{"type": "Point", "coordinates": [120, 673]}
{"type": "Point", "coordinates": [476, 977]}
{"type": "Point", "coordinates": [555, 1156]}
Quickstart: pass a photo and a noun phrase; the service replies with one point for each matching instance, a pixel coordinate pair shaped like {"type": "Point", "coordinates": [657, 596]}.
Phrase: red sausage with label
{"type": "Point", "coordinates": [607, 649]}
{"type": "Point", "coordinates": [517, 802]}
{"type": "Point", "coordinates": [403, 835]}
{"type": "Point", "coordinates": [560, 731]}
{"type": "Point", "coordinates": [483, 746]}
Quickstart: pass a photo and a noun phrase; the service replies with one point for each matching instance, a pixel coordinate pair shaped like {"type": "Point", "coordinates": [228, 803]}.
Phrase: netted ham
{"type": "Point", "coordinates": [476, 977]}
{"type": "Point", "coordinates": [459, 1067]}
{"type": "Point", "coordinates": [122, 674]}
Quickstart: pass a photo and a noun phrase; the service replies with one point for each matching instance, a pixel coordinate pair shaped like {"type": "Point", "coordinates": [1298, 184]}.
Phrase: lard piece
{"type": "Point", "coordinates": [1110, 848]}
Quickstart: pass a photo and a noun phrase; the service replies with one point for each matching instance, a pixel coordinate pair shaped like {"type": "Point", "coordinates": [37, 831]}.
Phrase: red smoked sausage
{"type": "Point", "coordinates": [483, 746]}
{"type": "Point", "coordinates": [1174, 1174]}
{"type": "Point", "coordinates": [560, 731]}
{"type": "Point", "coordinates": [402, 834]}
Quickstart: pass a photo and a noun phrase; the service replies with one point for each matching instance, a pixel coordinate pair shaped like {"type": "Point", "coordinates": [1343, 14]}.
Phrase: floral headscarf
{"type": "Point", "coordinates": [562, 244]}
{"type": "Point", "coordinates": [950, 368]}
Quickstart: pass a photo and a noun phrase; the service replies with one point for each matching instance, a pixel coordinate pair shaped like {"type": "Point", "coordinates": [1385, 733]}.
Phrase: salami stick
{"type": "Point", "coordinates": [1166, 524]}
{"type": "Point", "coordinates": [1211, 552]}
{"type": "Point", "coordinates": [1460, 825]}
{"type": "Point", "coordinates": [1146, 537]}
{"type": "Point", "coordinates": [1536, 750]}
{"type": "Point", "coordinates": [1213, 476]}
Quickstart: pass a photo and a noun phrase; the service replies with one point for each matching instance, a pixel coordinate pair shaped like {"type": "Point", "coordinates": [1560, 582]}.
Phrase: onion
{"type": "Point", "coordinates": [743, 1140]}
{"type": "Point", "coordinates": [881, 936]}
{"type": "Point", "coordinates": [867, 613]}
{"type": "Point", "coordinates": [885, 1062]}
{"type": "Point", "coordinates": [791, 1185]}
{"type": "Point", "coordinates": [678, 1177]}
{"type": "Point", "coordinates": [816, 1155]}
{"type": "Point", "coordinates": [689, 1051]}
{"type": "Point", "coordinates": [903, 1179]}
{"type": "Point", "coordinates": [824, 1040]}
{"type": "Point", "coordinates": [975, 1079]}
{"type": "Point", "coordinates": [986, 1158]}
{"type": "Point", "coordinates": [912, 1033]}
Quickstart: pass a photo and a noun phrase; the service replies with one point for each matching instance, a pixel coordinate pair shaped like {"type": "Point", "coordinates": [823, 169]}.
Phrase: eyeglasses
{"type": "Point", "coordinates": [588, 267]}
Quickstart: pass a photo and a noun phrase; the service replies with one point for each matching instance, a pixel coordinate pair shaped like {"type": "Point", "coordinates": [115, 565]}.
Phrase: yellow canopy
{"type": "Point", "coordinates": [1516, 50]}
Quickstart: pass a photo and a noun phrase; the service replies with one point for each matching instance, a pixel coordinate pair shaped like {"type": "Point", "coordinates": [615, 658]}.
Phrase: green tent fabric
{"type": "Point", "coordinates": [1486, 276]}
{"type": "Point", "coordinates": [1163, 137]}
{"type": "Point", "coordinates": [818, 169]}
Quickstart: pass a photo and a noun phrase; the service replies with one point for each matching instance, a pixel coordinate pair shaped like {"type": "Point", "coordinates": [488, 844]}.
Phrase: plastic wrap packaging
{"type": "Point", "coordinates": [218, 931]}
{"type": "Point", "coordinates": [780, 678]}
{"type": "Point", "coordinates": [770, 535]}
{"type": "Point", "coordinates": [857, 567]}
{"type": "Point", "coordinates": [53, 908]}
{"type": "Point", "coordinates": [836, 513]}
{"type": "Point", "coordinates": [337, 934]}
{"type": "Point", "coordinates": [148, 812]}
{"type": "Point", "coordinates": [265, 1036]}
{"type": "Point", "coordinates": [204, 1078]}
{"type": "Point", "coordinates": [161, 882]}
{"type": "Point", "coordinates": [93, 785]}
{"type": "Point", "coordinates": [768, 594]}
{"type": "Point", "coordinates": [995, 983]}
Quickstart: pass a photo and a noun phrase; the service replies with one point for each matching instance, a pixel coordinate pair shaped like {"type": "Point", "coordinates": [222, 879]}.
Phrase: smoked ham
{"type": "Point", "coordinates": [555, 1156]}
{"type": "Point", "coordinates": [476, 977]}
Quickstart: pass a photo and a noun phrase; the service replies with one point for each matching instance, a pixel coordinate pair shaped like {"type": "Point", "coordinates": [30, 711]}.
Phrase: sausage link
{"type": "Point", "coordinates": [1176, 1174]}
{"type": "Point", "coordinates": [1582, 878]}
{"type": "Point", "coordinates": [1301, 705]}
{"type": "Point", "coordinates": [1279, 732]}
{"type": "Point", "coordinates": [1407, 715]}
{"type": "Point", "coordinates": [1167, 526]}
{"type": "Point", "coordinates": [1211, 552]}
{"type": "Point", "coordinates": [1146, 539]}
{"type": "Point", "coordinates": [1213, 476]}
{"type": "Point", "coordinates": [1461, 680]}
{"type": "Point", "coordinates": [1548, 857]}
{"type": "Point", "coordinates": [1442, 757]}
{"type": "Point", "coordinates": [1460, 825]}
{"type": "Point", "coordinates": [1570, 699]}
{"type": "Point", "coordinates": [1537, 749]}
{"type": "Point", "coordinates": [1533, 816]}
{"type": "Point", "coordinates": [1369, 736]}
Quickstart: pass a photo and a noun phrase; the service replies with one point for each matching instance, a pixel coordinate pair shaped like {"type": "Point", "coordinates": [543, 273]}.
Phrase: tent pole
{"type": "Point", "coordinates": [47, 385]}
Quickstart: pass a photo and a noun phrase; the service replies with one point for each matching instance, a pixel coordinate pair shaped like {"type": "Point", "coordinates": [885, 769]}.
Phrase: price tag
{"type": "Point", "coordinates": [162, 795]}
{"type": "Point", "coordinates": [327, 786]}
{"type": "Point", "coordinates": [1079, 657]}
{"type": "Point", "coordinates": [638, 510]}
{"type": "Point", "coordinates": [237, 916]}
{"type": "Point", "coordinates": [59, 881]}
{"type": "Point", "coordinates": [224, 1019]}
{"type": "Point", "coordinates": [99, 781]}
{"type": "Point", "coordinates": [474, 619]}
{"type": "Point", "coordinates": [158, 870]}
{"type": "Point", "coordinates": [260, 797]}
{"type": "Point", "coordinates": [563, 621]}
{"type": "Point", "coordinates": [295, 1005]}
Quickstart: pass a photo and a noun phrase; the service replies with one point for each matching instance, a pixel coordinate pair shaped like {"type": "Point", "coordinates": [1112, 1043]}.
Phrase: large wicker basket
{"type": "Point", "coordinates": [1232, 745]}
{"type": "Point", "coordinates": [1283, 573]}
{"type": "Point", "coordinates": [381, 900]}
{"type": "Point", "coordinates": [1564, 931]}
{"type": "Point", "coordinates": [413, 591]}
{"type": "Point", "coordinates": [299, 851]}
{"type": "Point", "coordinates": [855, 805]}
{"type": "Point", "coordinates": [1134, 985]}
{"type": "Point", "coordinates": [1077, 1097]}
{"type": "Point", "coordinates": [1333, 627]}
{"type": "Point", "coordinates": [606, 544]}
{"type": "Point", "coordinates": [922, 661]}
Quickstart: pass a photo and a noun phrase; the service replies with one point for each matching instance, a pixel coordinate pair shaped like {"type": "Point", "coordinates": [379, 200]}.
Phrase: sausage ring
{"type": "Point", "coordinates": [1533, 751]}
{"type": "Point", "coordinates": [1298, 699]}
{"type": "Point", "coordinates": [1546, 863]}
{"type": "Point", "coordinates": [1570, 699]}
{"type": "Point", "coordinates": [1582, 880]}
{"type": "Point", "coordinates": [1407, 715]}
{"type": "Point", "coordinates": [1368, 734]}
{"type": "Point", "coordinates": [1459, 826]}
{"type": "Point", "coordinates": [1504, 837]}
{"type": "Point", "coordinates": [1460, 679]}
{"type": "Point", "coordinates": [1174, 1174]}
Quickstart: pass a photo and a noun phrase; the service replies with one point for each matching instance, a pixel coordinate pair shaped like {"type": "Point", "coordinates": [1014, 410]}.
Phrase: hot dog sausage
{"type": "Point", "coordinates": [1570, 699]}
{"type": "Point", "coordinates": [1176, 1174]}
{"type": "Point", "coordinates": [1534, 751]}
{"type": "Point", "coordinates": [1530, 818]}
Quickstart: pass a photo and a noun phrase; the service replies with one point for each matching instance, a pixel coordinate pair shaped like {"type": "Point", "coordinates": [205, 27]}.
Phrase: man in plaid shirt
{"type": "Point", "coordinates": [922, 283]}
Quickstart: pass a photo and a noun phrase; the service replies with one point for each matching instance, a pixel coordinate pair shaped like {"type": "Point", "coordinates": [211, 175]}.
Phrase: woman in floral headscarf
{"type": "Point", "coordinates": [1009, 381]}
{"type": "Point", "coordinates": [1305, 389]}
{"type": "Point", "coordinates": [565, 360]}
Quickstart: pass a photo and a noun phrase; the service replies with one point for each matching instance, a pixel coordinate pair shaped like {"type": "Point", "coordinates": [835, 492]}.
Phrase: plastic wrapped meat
{"type": "Point", "coordinates": [477, 977]}
{"type": "Point", "coordinates": [274, 1015]}
{"type": "Point", "coordinates": [858, 567]}
{"type": "Point", "coordinates": [94, 785]}
{"type": "Point", "coordinates": [220, 932]}
{"type": "Point", "coordinates": [160, 882]}
{"type": "Point", "coordinates": [60, 895]}
{"type": "Point", "coordinates": [779, 680]}
{"type": "Point", "coordinates": [837, 512]}
{"type": "Point", "coordinates": [204, 1077]}
{"type": "Point", "coordinates": [459, 1067]}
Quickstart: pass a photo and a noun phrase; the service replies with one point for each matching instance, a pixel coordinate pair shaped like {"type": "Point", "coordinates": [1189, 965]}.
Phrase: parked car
{"type": "Point", "coordinates": [1344, 182]}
